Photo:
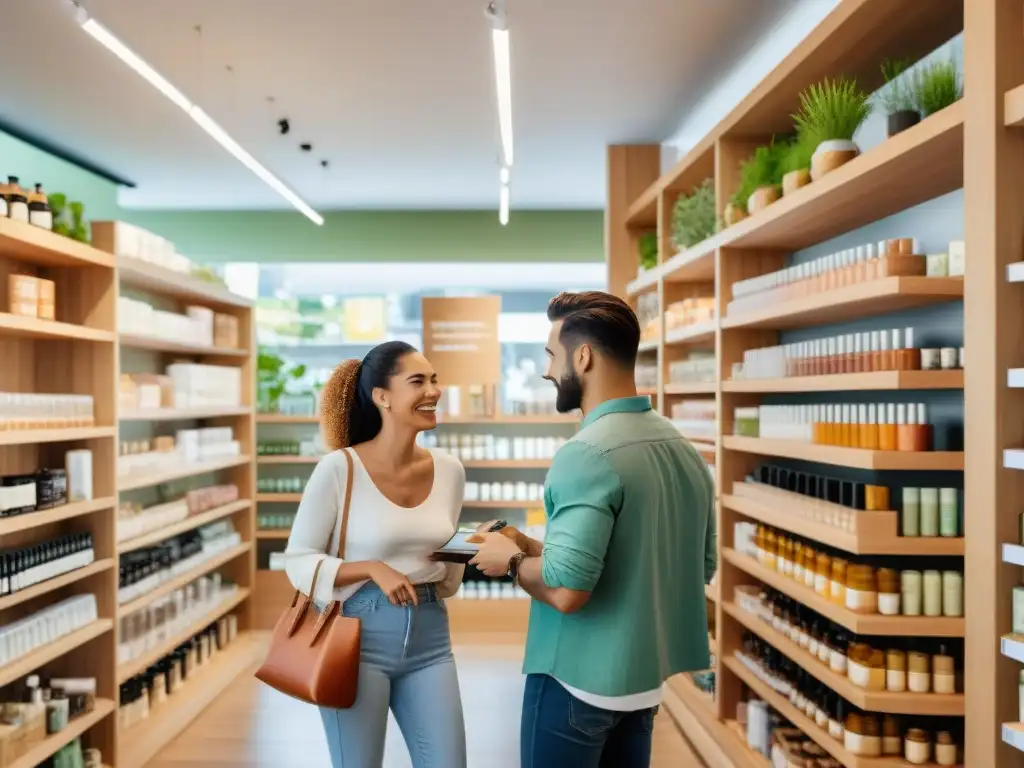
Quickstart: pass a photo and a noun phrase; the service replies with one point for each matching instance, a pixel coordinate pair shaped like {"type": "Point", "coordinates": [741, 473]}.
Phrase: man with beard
{"type": "Point", "coordinates": [618, 582]}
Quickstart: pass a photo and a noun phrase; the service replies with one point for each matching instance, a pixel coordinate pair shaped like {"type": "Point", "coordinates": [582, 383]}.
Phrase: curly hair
{"type": "Point", "coordinates": [348, 415]}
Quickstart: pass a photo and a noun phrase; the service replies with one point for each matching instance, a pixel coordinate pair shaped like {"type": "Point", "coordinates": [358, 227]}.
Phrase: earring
{"type": "Point", "coordinates": [387, 406]}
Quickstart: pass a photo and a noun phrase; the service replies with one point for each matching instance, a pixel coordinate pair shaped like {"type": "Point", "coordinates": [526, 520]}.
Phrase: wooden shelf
{"type": "Point", "coordinates": [511, 464]}
{"type": "Point", "coordinates": [135, 481]}
{"type": "Point", "coordinates": [807, 725]}
{"type": "Point", "coordinates": [51, 585]}
{"type": "Point", "coordinates": [647, 281]}
{"type": "Point", "coordinates": [155, 344]}
{"type": "Point", "coordinates": [34, 245]}
{"type": "Point", "coordinates": [694, 388]}
{"type": "Point", "coordinates": [694, 265]}
{"type": "Point", "coordinates": [281, 418]}
{"type": "Point", "coordinates": [36, 436]}
{"type": "Point", "coordinates": [535, 504]}
{"type": "Point", "coordinates": [278, 497]}
{"type": "Point", "coordinates": [188, 577]}
{"type": "Point", "coordinates": [696, 333]}
{"type": "Point", "coordinates": [711, 592]}
{"type": "Point", "coordinates": [268, 534]}
{"type": "Point", "coordinates": [167, 282]}
{"type": "Point", "coordinates": [190, 523]}
{"type": "Point", "coordinates": [944, 705]}
{"type": "Point", "coordinates": [185, 414]}
{"type": "Point", "coordinates": [647, 346]}
{"type": "Point", "coordinates": [288, 459]}
{"type": "Point", "coordinates": [75, 728]}
{"type": "Point", "coordinates": [139, 665]}
{"type": "Point", "coordinates": [861, 623]}
{"type": "Point", "coordinates": [848, 382]}
{"type": "Point", "coordinates": [19, 326]}
{"type": "Point", "coordinates": [29, 520]}
{"type": "Point", "coordinates": [876, 533]}
{"type": "Point", "coordinates": [18, 668]}
{"type": "Point", "coordinates": [868, 299]}
{"type": "Point", "coordinates": [857, 458]}
{"type": "Point", "coordinates": [540, 418]}
{"type": "Point", "coordinates": [138, 745]}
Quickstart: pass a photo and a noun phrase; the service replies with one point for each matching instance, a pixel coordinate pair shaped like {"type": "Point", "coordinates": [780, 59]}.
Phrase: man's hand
{"type": "Point", "coordinates": [496, 551]}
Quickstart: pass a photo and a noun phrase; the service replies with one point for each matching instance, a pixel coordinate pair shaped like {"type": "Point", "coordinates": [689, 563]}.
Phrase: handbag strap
{"type": "Point", "coordinates": [343, 533]}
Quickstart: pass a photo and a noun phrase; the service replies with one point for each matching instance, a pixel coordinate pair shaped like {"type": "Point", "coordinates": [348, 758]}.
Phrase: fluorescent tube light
{"type": "Point", "coordinates": [503, 205]}
{"type": "Point", "coordinates": [504, 175]}
{"type": "Point", "coordinates": [503, 77]}
{"type": "Point", "coordinates": [106, 38]}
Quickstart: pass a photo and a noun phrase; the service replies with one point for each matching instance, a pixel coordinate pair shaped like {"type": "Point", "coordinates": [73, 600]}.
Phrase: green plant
{"type": "Point", "coordinates": [693, 217]}
{"type": "Point", "coordinates": [831, 109]}
{"type": "Point", "coordinates": [797, 156]}
{"type": "Point", "coordinates": [78, 229]}
{"type": "Point", "coordinates": [273, 375]}
{"type": "Point", "coordinates": [59, 208]}
{"type": "Point", "coordinates": [648, 250]}
{"type": "Point", "coordinates": [898, 94]}
{"type": "Point", "coordinates": [937, 85]}
{"type": "Point", "coordinates": [763, 169]}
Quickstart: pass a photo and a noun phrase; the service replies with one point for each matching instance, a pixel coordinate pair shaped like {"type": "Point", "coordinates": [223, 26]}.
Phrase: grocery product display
{"type": "Point", "coordinates": [696, 419]}
{"type": "Point", "coordinates": [22, 410]}
{"type": "Point", "coordinates": [135, 520]}
{"type": "Point", "coordinates": [182, 386]}
{"type": "Point", "coordinates": [47, 488]}
{"type": "Point", "coordinates": [29, 634]}
{"type": "Point", "coordinates": [25, 566]}
{"type": "Point", "coordinates": [198, 326]}
{"type": "Point", "coordinates": [187, 448]}
{"type": "Point", "coordinates": [491, 447]}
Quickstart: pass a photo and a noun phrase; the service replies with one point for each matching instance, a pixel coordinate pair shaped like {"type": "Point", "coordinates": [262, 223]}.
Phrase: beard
{"type": "Point", "coordinates": [569, 391]}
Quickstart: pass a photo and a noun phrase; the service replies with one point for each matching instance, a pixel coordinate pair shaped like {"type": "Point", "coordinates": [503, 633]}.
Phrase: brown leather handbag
{"type": "Point", "coordinates": [314, 656]}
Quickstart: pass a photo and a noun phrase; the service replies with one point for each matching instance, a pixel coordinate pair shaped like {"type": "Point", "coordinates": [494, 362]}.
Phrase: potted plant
{"type": "Point", "coordinates": [796, 166]}
{"type": "Point", "coordinates": [273, 375]}
{"type": "Point", "coordinates": [937, 86]}
{"type": "Point", "coordinates": [693, 217]}
{"type": "Point", "coordinates": [647, 251]}
{"type": "Point", "coordinates": [830, 114]}
{"type": "Point", "coordinates": [898, 97]}
{"type": "Point", "coordinates": [760, 177]}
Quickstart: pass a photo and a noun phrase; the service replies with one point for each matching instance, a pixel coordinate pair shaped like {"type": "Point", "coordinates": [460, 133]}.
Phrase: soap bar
{"type": "Point", "coordinates": [937, 265]}
{"type": "Point", "coordinates": [957, 258]}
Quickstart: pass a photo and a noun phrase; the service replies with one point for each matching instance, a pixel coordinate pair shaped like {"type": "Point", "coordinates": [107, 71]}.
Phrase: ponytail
{"type": "Point", "coordinates": [348, 414]}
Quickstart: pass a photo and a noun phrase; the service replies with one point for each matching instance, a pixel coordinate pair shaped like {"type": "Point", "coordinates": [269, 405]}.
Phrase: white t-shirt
{"type": "Point", "coordinates": [378, 529]}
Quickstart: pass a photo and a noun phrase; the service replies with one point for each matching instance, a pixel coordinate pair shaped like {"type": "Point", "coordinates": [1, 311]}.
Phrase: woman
{"type": "Point", "coordinates": [405, 504]}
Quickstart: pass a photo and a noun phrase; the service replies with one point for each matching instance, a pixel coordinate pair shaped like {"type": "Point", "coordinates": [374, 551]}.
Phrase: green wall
{"type": "Point", "coordinates": [372, 236]}
{"type": "Point", "coordinates": [364, 236]}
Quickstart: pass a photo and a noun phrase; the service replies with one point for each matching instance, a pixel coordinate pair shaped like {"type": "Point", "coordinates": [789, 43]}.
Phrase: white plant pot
{"type": "Point", "coordinates": [832, 154]}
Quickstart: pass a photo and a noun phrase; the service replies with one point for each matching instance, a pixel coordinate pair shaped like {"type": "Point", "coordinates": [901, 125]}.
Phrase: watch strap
{"type": "Point", "coordinates": [513, 566]}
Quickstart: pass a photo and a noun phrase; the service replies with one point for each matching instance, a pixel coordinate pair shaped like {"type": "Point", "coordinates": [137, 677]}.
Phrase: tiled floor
{"type": "Point", "coordinates": [251, 726]}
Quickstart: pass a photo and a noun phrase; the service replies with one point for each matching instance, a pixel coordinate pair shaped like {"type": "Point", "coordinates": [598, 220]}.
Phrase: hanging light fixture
{"type": "Point", "coordinates": [503, 92]}
{"type": "Point", "coordinates": [111, 42]}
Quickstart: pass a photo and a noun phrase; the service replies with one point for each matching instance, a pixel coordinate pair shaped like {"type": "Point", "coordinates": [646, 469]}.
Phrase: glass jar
{"type": "Point", "coordinates": [895, 670]}
{"type": "Point", "coordinates": [861, 589]}
{"type": "Point", "coordinates": [919, 676]}
{"type": "Point", "coordinates": [838, 584]}
{"type": "Point", "coordinates": [892, 743]}
{"type": "Point", "coordinates": [823, 574]}
{"type": "Point", "coordinates": [888, 592]}
{"type": "Point", "coordinates": [918, 747]}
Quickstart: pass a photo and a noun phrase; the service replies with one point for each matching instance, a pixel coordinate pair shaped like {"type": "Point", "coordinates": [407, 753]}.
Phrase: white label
{"type": "Point", "coordinates": [895, 680]}
{"type": "Point", "coordinates": [853, 742]}
{"type": "Point", "coordinates": [809, 578]}
{"type": "Point", "coordinates": [809, 643]}
{"type": "Point", "coordinates": [945, 754]}
{"type": "Point", "coordinates": [835, 729]}
{"type": "Point", "coordinates": [919, 682]}
{"type": "Point", "coordinates": [42, 219]}
{"type": "Point", "coordinates": [837, 591]}
{"type": "Point", "coordinates": [798, 572]}
{"type": "Point", "coordinates": [820, 718]}
{"type": "Point", "coordinates": [857, 674]}
{"type": "Point", "coordinates": [872, 746]}
{"type": "Point", "coordinates": [821, 585]}
{"type": "Point", "coordinates": [943, 683]}
{"type": "Point", "coordinates": [18, 210]}
{"type": "Point", "coordinates": [837, 662]}
{"type": "Point", "coordinates": [3, 208]}
{"type": "Point", "coordinates": [861, 602]}
{"type": "Point", "coordinates": [917, 752]}
{"type": "Point", "coordinates": [889, 603]}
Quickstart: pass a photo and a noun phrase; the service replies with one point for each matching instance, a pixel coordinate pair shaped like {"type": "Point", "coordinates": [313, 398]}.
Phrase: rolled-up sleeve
{"type": "Point", "coordinates": [582, 497]}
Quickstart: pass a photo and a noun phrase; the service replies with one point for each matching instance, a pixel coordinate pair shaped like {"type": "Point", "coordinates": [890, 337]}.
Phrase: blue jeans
{"type": "Point", "coordinates": [406, 664]}
{"type": "Point", "coordinates": [559, 730]}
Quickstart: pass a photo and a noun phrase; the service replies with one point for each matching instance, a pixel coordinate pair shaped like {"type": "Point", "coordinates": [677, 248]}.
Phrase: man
{"type": "Point", "coordinates": [618, 582]}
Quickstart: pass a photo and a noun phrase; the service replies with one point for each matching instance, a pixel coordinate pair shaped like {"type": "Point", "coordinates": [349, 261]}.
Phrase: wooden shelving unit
{"type": "Point", "coordinates": [913, 167]}
{"type": "Point", "coordinates": [75, 353]}
{"type": "Point", "coordinates": [169, 290]}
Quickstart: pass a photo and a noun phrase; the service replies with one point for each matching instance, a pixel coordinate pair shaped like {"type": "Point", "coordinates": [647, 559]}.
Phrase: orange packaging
{"type": "Point", "coordinates": [23, 295]}
{"type": "Point", "coordinates": [47, 299]}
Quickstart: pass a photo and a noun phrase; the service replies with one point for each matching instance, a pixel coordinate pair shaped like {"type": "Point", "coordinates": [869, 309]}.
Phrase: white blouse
{"type": "Point", "coordinates": [378, 529]}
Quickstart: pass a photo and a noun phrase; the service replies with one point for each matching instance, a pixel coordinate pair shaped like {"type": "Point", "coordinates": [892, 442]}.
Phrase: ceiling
{"type": "Point", "coordinates": [396, 94]}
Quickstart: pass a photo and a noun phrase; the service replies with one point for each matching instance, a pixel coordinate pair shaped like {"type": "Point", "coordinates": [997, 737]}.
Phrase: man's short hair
{"type": "Point", "coordinates": [600, 319]}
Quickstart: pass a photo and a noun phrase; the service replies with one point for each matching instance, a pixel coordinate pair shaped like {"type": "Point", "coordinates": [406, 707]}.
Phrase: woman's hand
{"type": "Point", "coordinates": [395, 585]}
{"type": "Point", "coordinates": [509, 532]}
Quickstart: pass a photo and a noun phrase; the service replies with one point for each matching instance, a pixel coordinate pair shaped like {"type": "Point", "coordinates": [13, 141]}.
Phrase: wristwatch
{"type": "Point", "coordinates": [513, 566]}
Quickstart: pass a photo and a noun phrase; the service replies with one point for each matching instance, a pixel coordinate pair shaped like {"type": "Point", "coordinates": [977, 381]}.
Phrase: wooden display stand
{"type": "Point", "coordinates": [974, 144]}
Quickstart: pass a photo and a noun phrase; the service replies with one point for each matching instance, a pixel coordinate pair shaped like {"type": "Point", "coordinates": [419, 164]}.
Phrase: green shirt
{"type": "Point", "coordinates": [630, 506]}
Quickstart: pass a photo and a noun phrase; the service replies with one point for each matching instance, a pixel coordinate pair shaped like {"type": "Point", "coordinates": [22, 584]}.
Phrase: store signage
{"type": "Point", "coordinates": [460, 338]}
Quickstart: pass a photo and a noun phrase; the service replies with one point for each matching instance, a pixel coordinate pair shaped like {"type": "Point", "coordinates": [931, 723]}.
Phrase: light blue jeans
{"type": "Point", "coordinates": [406, 664]}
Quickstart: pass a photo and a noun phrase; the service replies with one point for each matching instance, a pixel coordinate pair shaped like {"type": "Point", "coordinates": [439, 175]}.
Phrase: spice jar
{"type": "Point", "coordinates": [945, 749]}
{"type": "Point", "coordinates": [918, 747]}
{"type": "Point", "coordinates": [17, 200]}
{"type": "Point", "coordinates": [798, 561]}
{"type": "Point", "coordinates": [949, 512]}
{"type": "Point", "coordinates": [872, 742]}
{"type": "Point", "coordinates": [837, 648]}
{"type": "Point", "coordinates": [810, 563]}
{"type": "Point", "coordinates": [952, 593]}
{"type": "Point", "coordinates": [913, 591]}
{"type": "Point", "coordinates": [784, 562]}
{"type": "Point", "coordinates": [892, 744]}
{"type": "Point", "coordinates": [759, 541]}
{"type": "Point", "coordinates": [837, 586]}
{"type": "Point", "coordinates": [866, 667]}
{"type": "Point", "coordinates": [861, 591]}
{"type": "Point", "coordinates": [770, 549]}
{"type": "Point", "coordinates": [39, 213]}
{"type": "Point", "coordinates": [932, 593]}
{"type": "Point", "coordinates": [919, 676]}
{"type": "Point", "coordinates": [824, 650]}
{"type": "Point", "coordinates": [895, 670]}
{"type": "Point", "coordinates": [943, 672]}
{"type": "Point", "coordinates": [911, 515]}
{"type": "Point", "coordinates": [888, 592]}
{"type": "Point", "coordinates": [929, 511]}
{"type": "Point", "coordinates": [823, 574]}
